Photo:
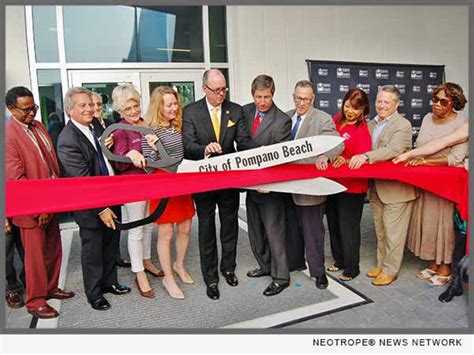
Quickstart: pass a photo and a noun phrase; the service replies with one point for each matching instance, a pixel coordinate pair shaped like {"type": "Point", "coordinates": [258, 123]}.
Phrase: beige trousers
{"type": "Point", "coordinates": [391, 226]}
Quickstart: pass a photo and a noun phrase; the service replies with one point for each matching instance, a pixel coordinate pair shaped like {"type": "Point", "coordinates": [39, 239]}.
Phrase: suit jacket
{"type": "Point", "coordinates": [316, 123]}
{"type": "Point", "coordinates": [24, 161]}
{"type": "Point", "coordinates": [78, 157]}
{"type": "Point", "coordinates": [396, 138]}
{"type": "Point", "coordinates": [274, 128]}
{"type": "Point", "coordinates": [198, 131]}
{"type": "Point", "coordinates": [98, 127]}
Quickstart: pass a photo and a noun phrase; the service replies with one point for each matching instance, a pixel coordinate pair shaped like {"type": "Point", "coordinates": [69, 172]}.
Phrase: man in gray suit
{"type": "Point", "coordinates": [266, 210]}
{"type": "Point", "coordinates": [308, 121]}
{"type": "Point", "coordinates": [391, 201]}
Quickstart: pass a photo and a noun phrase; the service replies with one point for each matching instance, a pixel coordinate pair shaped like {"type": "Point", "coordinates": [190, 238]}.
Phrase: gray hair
{"type": "Point", "coordinates": [69, 102]}
{"type": "Point", "coordinates": [305, 84]}
{"type": "Point", "coordinates": [392, 89]}
{"type": "Point", "coordinates": [96, 95]}
{"type": "Point", "coordinates": [205, 75]}
{"type": "Point", "coordinates": [122, 93]}
{"type": "Point", "coordinates": [263, 82]}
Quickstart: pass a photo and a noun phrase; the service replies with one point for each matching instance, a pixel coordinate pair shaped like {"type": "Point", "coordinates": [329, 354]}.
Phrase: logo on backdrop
{"type": "Point", "coordinates": [400, 74]}
{"type": "Point", "coordinates": [402, 103]}
{"type": "Point", "coordinates": [416, 117]}
{"type": "Point", "coordinates": [363, 73]}
{"type": "Point", "coordinates": [431, 88]}
{"type": "Point", "coordinates": [323, 88]}
{"type": "Point", "coordinates": [416, 88]}
{"type": "Point", "coordinates": [339, 103]}
{"type": "Point", "coordinates": [365, 87]}
{"type": "Point", "coordinates": [401, 88]}
{"type": "Point", "coordinates": [343, 88]}
{"type": "Point", "coordinates": [416, 103]}
{"type": "Point", "coordinates": [322, 72]}
{"type": "Point", "coordinates": [323, 103]}
{"type": "Point", "coordinates": [343, 73]}
{"type": "Point", "coordinates": [433, 75]}
{"type": "Point", "coordinates": [381, 73]}
{"type": "Point", "coordinates": [416, 74]}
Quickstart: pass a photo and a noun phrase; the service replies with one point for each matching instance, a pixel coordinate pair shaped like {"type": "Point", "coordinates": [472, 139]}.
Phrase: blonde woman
{"type": "Point", "coordinates": [126, 101]}
{"type": "Point", "coordinates": [164, 115]}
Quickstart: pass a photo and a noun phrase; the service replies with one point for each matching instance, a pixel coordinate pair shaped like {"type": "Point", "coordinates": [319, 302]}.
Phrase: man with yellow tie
{"type": "Point", "coordinates": [211, 126]}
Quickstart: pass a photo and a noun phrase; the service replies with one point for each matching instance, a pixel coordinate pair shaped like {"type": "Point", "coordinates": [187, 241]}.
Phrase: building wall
{"type": "Point", "coordinates": [276, 40]}
{"type": "Point", "coordinates": [16, 61]}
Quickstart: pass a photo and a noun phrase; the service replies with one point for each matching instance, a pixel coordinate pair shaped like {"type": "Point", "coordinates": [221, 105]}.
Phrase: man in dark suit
{"type": "Point", "coordinates": [210, 127]}
{"type": "Point", "coordinates": [80, 155]}
{"type": "Point", "coordinates": [30, 155]}
{"type": "Point", "coordinates": [266, 210]}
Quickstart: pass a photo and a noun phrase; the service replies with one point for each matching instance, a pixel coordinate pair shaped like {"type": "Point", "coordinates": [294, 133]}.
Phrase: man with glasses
{"type": "Point", "coordinates": [30, 155]}
{"type": "Point", "coordinates": [211, 126]}
{"type": "Point", "coordinates": [391, 201]}
{"type": "Point", "coordinates": [308, 121]}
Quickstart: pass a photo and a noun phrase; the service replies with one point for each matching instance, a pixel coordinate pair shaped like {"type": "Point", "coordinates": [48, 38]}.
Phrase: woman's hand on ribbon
{"type": "Point", "coordinates": [338, 161]}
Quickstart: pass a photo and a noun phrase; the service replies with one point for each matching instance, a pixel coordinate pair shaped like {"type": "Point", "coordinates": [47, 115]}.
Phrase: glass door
{"type": "Point", "coordinates": [188, 83]}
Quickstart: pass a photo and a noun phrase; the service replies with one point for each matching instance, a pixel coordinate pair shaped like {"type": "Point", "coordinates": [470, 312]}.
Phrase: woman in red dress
{"type": "Point", "coordinates": [164, 115]}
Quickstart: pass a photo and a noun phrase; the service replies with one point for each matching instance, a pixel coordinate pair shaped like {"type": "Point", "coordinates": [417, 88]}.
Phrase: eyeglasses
{"type": "Point", "coordinates": [443, 102]}
{"type": "Point", "coordinates": [218, 90]}
{"type": "Point", "coordinates": [130, 108]}
{"type": "Point", "coordinates": [302, 99]}
{"type": "Point", "coordinates": [28, 110]}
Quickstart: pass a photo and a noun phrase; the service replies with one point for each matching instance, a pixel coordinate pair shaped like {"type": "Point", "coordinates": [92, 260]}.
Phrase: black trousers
{"type": "Point", "coordinates": [12, 241]}
{"type": "Point", "coordinates": [294, 236]}
{"type": "Point", "coordinates": [344, 213]}
{"type": "Point", "coordinates": [98, 253]}
{"type": "Point", "coordinates": [227, 202]}
{"type": "Point", "coordinates": [267, 233]}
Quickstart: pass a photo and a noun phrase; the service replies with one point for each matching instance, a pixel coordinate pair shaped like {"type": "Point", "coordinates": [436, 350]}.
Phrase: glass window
{"type": "Point", "coordinates": [217, 34]}
{"type": "Point", "coordinates": [51, 101]}
{"type": "Point", "coordinates": [170, 34]}
{"type": "Point", "coordinates": [105, 91]}
{"type": "Point", "coordinates": [45, 34]}
{"type": "Point", "coordinates": [185, 89]}
{"type": "Point", "coordinates": [100, 33]}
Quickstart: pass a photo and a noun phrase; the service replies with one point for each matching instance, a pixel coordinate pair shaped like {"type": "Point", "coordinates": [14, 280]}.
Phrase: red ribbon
{"type": "Point", "coordinates": [27, 197]}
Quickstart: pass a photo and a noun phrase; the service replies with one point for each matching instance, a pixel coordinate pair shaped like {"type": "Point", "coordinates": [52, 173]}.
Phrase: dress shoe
{"type": "Point", "coordinates": [44, 312]}
{"type": "Point", "coordinates": [257, 273]}
{"type": "Point", "coordinates": [231, 279]}
{"type": "Point", "coordinates": [212, 292]}
{"type": "Point", "coordinates": [116, 289]}
{"type": "Point", "coordinates": [184, 276]}
{"type": "Point", "coordinates": [100, 304]}
{"type": "Point", "coordinates": [173, 291]}
{"type": "Point", "coordinates": [60, 294]}
{"type": "Point", "coordinates": [373, 273]}
{"type": "Point", "coordinates": [275, 288]}
{"type": "Point", "coordinates": [160, 273]}
{"type": "Point", "coordinates": [322, 282]}
{"type": "Point", "coordinates": [123, 263]}
{"type": "Point", "coordinates": [449, 294]}
{"type": "Point", "coordinates": [147, 294]}
{"type": "Point", "coordinates": [384, 279]}
{"type": "Point", "coordinates": [14, 299]}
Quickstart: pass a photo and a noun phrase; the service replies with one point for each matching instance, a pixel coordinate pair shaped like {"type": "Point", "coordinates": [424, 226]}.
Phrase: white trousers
{"type": "Point", "coordinates": [139, 238]}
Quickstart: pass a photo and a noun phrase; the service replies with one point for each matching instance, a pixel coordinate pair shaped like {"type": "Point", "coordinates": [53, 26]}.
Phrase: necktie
{"type": "Point", "coordinates": [215, 123]}
{"type": "Point", "coordinates": [295, 128]}
{"type": "Point", "coordinates": [45, 152]}
{"type": "Point", "coordinates": [256, 122]}
{"type": "Point", "coordinates": [100, 157]}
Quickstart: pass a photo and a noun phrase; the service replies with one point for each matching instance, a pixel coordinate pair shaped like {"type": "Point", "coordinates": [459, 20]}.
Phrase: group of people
{"type": "Point", "coordinates": [285, 230]}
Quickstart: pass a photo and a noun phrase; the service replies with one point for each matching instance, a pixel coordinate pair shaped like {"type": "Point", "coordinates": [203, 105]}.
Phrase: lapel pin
{"type": "Point", "coordinates": [227, 112]}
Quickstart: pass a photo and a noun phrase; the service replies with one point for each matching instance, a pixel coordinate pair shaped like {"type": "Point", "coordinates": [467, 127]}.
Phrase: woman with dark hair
{"type": "Point", "coordinates": [344, 210]}
{"type": "Point", "coordinates": [431, 234]}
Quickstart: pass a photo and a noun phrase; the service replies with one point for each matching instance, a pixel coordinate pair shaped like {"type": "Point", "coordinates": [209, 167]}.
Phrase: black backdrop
{"type": "Point", "coordinates": [332, 79]}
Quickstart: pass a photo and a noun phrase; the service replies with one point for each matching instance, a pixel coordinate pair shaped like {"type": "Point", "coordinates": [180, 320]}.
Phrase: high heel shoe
{"type": "Point", "coordinates": [147, 294]}
{"type": "Point", "coordinates": [160, 273]}
{"type": "Point", "coordinates": [174, 292]}
{"type": "Point", "coordinates": [185, 278]}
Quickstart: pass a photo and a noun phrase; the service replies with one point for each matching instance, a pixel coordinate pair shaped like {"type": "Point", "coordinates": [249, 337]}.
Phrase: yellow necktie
{"type": "Point", "coordinates": [215, 123]}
